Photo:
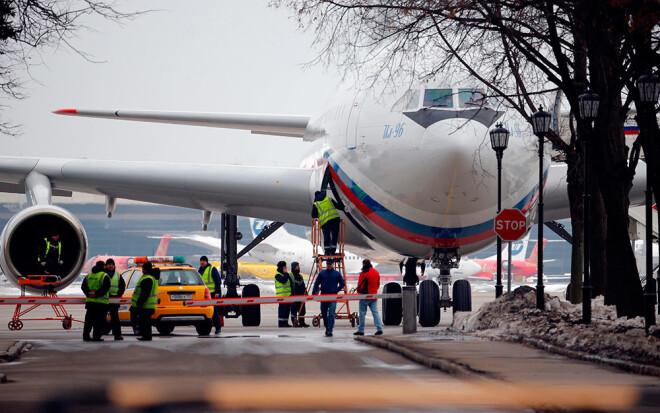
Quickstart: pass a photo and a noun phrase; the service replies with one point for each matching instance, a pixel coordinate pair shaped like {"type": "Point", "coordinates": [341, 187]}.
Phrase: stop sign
{"type": "Point", "coordinates": [510, 224]}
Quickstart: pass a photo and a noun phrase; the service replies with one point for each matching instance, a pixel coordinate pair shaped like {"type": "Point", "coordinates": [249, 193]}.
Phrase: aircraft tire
{"type": "Point", "coordinates": [251, 314]}
{"type": "Point", "coordinates": [462, 296]}
{"type": "Point", "coordinates": [392, 307]}
{"type": "Point", "coordinates": [429, 304]}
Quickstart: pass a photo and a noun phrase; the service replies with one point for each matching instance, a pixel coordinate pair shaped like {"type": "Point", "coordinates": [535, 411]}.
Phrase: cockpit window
{"type": "Point", "coordinates": [438, 98]}
{"type": "Point", "coordinates": [409, 101]}
{"type": "Point", "coordinates": [469, 98]}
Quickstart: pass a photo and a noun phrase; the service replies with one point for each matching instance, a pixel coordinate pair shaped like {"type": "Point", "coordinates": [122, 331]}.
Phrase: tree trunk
{"type": "Point", "coordinates": [575, 182]}
{"type": "Point", "coordinates": [598, 236]}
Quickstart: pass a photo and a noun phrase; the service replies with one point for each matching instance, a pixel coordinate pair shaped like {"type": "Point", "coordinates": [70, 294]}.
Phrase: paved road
{"type": "Point", "coordinates": [266, 367]}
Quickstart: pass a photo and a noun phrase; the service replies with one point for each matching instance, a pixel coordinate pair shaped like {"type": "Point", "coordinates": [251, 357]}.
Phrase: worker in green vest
{"type": "Point", "coordinates": [95, 286]}
{"type": "Point", "coordinates": [284, 286]}
{"type": "Point", "coordinates": [117, 288]}
{"type": "Point", "coordinates": [50, 254]}
{"type": "Point", "coordinates": [211, 279]}
{"type": "Point", "coordinates": [325, 210]}
{"type": "Point", "coordinates": [145, 297]}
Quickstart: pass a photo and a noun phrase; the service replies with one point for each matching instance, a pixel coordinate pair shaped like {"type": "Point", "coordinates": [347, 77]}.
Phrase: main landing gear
{"type": "Point", "coordinates": [432, 295]}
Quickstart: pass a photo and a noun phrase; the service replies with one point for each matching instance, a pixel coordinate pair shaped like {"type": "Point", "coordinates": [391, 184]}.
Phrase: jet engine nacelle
{"type": "Point", "coordinates": [24, 234]}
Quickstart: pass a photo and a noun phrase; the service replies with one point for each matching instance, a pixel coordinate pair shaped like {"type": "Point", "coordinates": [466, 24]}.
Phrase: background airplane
{"type": "Point", "coordinates": [521, 268]}
{"type": "Point", "coordinates": [279, 246]}
{"type": "Point", "coordinates": [121, 261]}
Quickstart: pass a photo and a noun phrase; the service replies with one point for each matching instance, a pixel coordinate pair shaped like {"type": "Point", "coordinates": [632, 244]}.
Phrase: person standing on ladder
{"type": "Point", "coordinates": [325, 210]}
{"type": "Point", "coordinates": [284, 287]}
{"type": "Point", "coordinates": [211, 278]}
{"type": "Point", "coordinates": [50, 254]}
{"type": "Point", "coordinates": [117, 288]}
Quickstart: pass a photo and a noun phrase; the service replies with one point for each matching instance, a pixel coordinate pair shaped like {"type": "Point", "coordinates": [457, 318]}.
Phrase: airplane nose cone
{"type": "Point", "coordinates": [452, 173]}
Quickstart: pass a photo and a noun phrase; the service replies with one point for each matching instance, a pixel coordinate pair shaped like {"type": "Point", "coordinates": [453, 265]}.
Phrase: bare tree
{"type": "Point", "coordinates": [518, 49]}
{"type": "Point", "coordinates": [27, 27]}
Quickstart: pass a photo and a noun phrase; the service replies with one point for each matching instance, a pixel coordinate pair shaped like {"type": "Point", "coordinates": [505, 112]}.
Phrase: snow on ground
{"type": "Point", "coordinates": [515, 316]}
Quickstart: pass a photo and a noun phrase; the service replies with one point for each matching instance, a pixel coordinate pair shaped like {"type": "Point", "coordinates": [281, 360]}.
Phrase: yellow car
{"type": "Point", "coordinates": [178, 282]}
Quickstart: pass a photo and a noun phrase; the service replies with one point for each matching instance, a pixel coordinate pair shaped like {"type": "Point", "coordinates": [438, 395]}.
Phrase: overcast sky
{"type": "Point", "coordinates": [209, 56]}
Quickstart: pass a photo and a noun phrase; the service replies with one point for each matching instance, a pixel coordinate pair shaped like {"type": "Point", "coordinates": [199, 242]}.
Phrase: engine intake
{"type": "Point", "coordinates": [24, 234]}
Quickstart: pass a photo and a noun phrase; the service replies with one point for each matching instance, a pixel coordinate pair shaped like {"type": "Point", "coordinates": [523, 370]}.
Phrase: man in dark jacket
{"type": "Point", "coordinates": [298, 310]}
{"type": "Point", "coordinates": [211, 279]}
{"type": "Point", "coordinates": [143, 305]}
{"type": "Point", "coordinates": [284, 286]}
{"type": "Point", "coordinates": [325, 209]}
{"type": "Point", "coordinates": [95, 286]}
{"type": "Point", "coordinates": [368, 283]}
{"type": "Point", "coordinates": [117, 288]}
{"type": "Point", "coordinates": [330, 281]}
{"type": "Point", "coordinates": [50, 254]}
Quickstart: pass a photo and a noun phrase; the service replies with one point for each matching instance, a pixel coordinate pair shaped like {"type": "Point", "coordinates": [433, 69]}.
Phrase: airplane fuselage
{"type": "Point", "coordinates": [422, 177]}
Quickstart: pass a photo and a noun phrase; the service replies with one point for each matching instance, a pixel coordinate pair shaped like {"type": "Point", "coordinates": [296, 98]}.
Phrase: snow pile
{"type": "Point", "coordinates": [515, 316]}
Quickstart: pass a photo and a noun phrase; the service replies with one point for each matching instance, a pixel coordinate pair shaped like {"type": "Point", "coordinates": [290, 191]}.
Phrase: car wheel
{"type": "Point", "coordinates": [204, 328]}
{"type": "Point", "coordinates": [164, 329]}
{"type": "Point", "coordinates": [251, 314]}
{"type": "Point", "coordinates": [392, 306]}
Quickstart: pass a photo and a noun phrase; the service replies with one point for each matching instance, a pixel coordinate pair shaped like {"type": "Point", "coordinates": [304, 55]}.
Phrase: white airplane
{"type": "Point", "coordinates": [416, 176]}
{"type": "Point", "coordinates": [280, 245]}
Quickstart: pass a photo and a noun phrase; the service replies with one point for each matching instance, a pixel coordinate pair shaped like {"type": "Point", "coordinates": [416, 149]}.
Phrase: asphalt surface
{"type": "Point", "coordinates": [267, 368]}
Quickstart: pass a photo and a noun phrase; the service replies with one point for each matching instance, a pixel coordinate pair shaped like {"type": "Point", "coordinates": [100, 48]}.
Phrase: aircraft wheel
{"type": "Point", "coordinates": [462, 295]}
{"type": "Point", "coordinates": [251, 314]}
{"type": "Point", "coordinates": [429, 304]}
{"type": "Point", "coordinates": [392, 307]}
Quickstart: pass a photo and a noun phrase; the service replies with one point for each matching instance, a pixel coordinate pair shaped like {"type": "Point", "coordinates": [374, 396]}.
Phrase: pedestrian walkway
{"type": "Point", "coordinates": [474, 358]}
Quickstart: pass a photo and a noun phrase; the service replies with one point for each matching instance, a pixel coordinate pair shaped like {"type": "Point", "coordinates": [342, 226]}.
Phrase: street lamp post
{"type": "Point", "coordinates": [648, 86]}
{"type": "Point", "coordinates": [499, 140]}
{"type": "Point", "coordinates": [540, 126]}
{"type": "Point", "coordinates": [588, 104]}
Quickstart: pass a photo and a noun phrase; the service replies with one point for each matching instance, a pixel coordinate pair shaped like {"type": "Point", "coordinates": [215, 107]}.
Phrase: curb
{"type": "Point", "coordinates": [14, 351]}
{"type": "Point", "coordinates": [629, 366]}
{"type": "Point", "coordinates": [434, 362]}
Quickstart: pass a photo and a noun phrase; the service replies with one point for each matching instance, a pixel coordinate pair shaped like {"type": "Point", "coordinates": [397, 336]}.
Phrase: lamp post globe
{"type": "Point", "coordinates": [499, 140]}
{"type": "Point", "coordinates": [588, 104]}
{"type": "Point", "coordinates": [540, 125]}
{"type": "Point", "coordinates": [648, 86]}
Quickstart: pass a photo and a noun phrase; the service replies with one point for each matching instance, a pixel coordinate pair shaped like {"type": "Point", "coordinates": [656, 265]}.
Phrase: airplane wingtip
{"type": "Point", "coordinates": [66, 112]}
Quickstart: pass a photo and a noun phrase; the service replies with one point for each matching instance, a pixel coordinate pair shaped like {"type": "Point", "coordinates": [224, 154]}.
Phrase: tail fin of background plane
{"type": "Point", "coordinates": [164, 245]}
{"type": "Point", "coordinates": [535, 252]}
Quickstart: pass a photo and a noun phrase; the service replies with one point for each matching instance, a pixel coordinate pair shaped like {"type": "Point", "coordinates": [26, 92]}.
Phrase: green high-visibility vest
{"type": "Point", "coordinates": [153, 296]}
{"type": "Point", "coordinates": [94, 282]}
{"type": "Point", "coordinates": [208, 279]}
{"type": "Point", "coordinates": [59, 249]}
{"type": "Point", "coordinates": [326, 210]}
{"type": "Point", "coordinates": [114, 284]}
{"type": "Point", "coordinates": [283, 289]}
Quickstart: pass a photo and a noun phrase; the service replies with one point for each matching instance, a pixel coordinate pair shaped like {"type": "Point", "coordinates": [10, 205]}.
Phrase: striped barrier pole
{"type": "Point", "coordinates": [55, 300]}
{"type": "Point", "coordinates": [286, 300]}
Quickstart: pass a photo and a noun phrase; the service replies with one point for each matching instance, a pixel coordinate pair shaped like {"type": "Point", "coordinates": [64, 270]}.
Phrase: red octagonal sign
{"type": "Point", "coordinates": [510, 224]}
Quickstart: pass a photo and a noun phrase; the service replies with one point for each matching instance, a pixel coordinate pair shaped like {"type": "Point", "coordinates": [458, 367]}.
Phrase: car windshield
{"type": "Point", "coordinates": [180, 277]}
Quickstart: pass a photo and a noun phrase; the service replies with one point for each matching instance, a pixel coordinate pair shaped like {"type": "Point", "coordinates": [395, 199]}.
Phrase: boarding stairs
{"type": "Point", "coordinates": [343, 311]}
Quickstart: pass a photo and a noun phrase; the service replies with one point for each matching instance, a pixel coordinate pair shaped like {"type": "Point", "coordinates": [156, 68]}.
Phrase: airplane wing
{"type": "Point", "coordinates": [273, 193]}
{"type": "Point", "coordinates": [281, 125]}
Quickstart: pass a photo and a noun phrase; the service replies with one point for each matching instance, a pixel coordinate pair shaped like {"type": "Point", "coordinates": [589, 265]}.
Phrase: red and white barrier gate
{"type": "Point", "coordinates": [286, 300]}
